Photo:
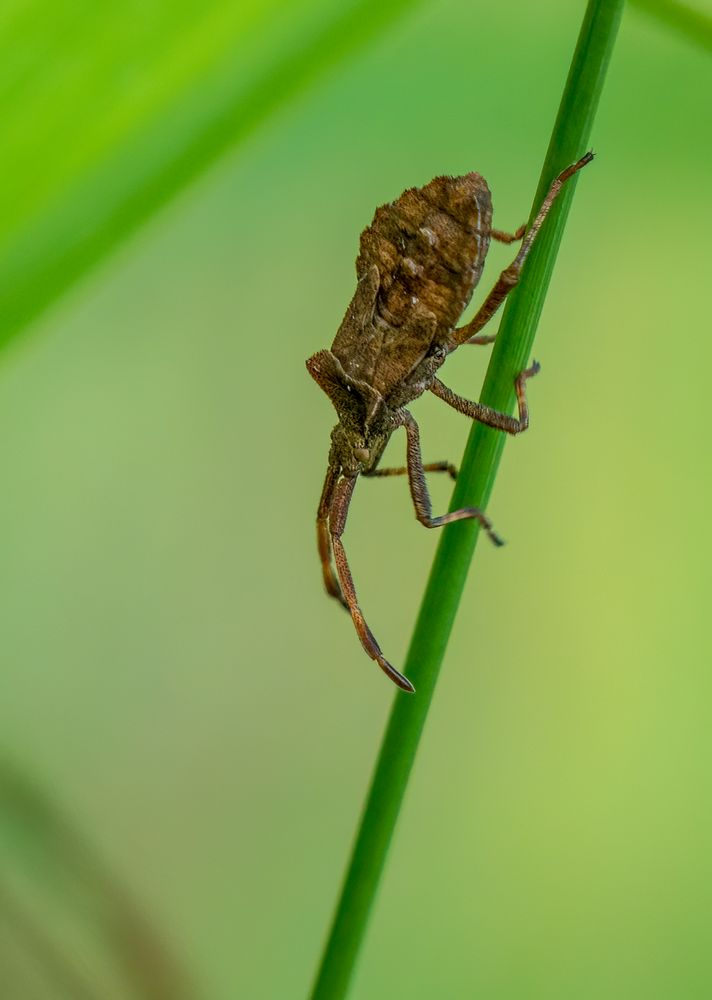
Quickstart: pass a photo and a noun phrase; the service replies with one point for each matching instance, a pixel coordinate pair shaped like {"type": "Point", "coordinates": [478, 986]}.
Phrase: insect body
{"type": "Point", "coordinates": [419, 262]}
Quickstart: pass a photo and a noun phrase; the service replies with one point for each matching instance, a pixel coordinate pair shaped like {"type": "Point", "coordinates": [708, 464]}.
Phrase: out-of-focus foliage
{"type": "Point", "coordinates": [67, 929]}
{"type": "Point", "coordinates": [108, 109]}
{"type": "Point", "coordinates": [692, 22]}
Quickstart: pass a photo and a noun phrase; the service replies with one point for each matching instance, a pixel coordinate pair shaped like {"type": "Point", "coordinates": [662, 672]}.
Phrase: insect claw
{"type": "Point", "coordinates": [484, 523]}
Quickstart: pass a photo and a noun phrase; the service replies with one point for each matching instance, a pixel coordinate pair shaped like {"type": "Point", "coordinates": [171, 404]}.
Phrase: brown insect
{"type": "Point", "coordinates": [419, 262]}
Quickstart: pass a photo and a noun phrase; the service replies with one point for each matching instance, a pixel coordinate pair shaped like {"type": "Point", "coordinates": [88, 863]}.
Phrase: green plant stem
{"type": "Point", "coordinates": [479, 466]}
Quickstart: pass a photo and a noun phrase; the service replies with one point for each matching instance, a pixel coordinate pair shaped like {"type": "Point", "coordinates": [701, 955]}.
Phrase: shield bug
{"type": "Point", "coordinates": [419, 262]}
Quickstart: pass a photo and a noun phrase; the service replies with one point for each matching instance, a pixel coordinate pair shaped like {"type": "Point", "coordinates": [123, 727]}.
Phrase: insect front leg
{"type": "Point", "coordinates": [483, 338]}
{"type": "Point", "coordinates": [402, 470]}
{"type": "Point", "coordinates": [323, 540]}
{"type": "Point", "coordinates": [419, 489]}
{"type": "Point", "coordinates": [342, 494]}
{"type": "Point", "coordinates": [510, 276]}
{"type": "Point", "coordinates": [485, 414]}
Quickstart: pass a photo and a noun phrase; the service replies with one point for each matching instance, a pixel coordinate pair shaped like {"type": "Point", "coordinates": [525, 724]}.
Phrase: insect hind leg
{"type": "Point", "coordinates": [510, 276]}
{"type": "Point", "coordinates": [502, 237]}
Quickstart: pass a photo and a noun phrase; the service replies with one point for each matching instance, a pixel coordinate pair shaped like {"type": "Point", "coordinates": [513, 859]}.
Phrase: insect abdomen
{"type": "Point", "coordinates": [430, 246]}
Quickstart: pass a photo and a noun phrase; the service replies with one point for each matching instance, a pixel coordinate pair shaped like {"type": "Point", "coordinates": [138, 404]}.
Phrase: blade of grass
{"type": "Point", "coordinates": [447, 578]}
{"type": "Point", "coordinates": [62, 902]}
{"type": "Point", "coordinates": [60, 971]}
{"type": "Point", "coordinates": [107, 113]}
{"type": "Point", "coordinates": [692, 24]}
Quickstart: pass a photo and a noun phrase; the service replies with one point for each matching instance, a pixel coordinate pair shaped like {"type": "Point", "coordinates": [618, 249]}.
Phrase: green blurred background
{"type": "Point", "coordinates": [172, 671]}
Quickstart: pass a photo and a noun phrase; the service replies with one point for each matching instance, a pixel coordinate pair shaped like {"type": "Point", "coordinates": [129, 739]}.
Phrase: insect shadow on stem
{"type": "Point", "coordinates": [419, 263]}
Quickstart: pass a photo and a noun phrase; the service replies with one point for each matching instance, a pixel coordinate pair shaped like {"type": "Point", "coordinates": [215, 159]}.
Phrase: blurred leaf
{"type": "Point", "coordinates": [72, 923]}
{"type": "Point", "coordinates": [109, 109]}
{"type": "Point", "coordinates": [689, 22]}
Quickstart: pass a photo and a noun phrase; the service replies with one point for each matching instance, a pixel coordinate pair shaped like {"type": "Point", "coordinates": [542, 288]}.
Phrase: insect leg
{"type": "Point", "coordinates": [419, 489]}
{"type": "Point", "coordinates": [337, 522]}
{"type": "Point", "coordinates": [402, 470]}
{"type": "Point", "coordinates": [485, 414]}
{"type": "Point", "coordinates": [484, 338]}
{"type": "Point", "coordinates": [510, 276]}
{"type": "Point", "coordinates": [323, 541]}
{"type": "Point", "coordinates": [502, 237]}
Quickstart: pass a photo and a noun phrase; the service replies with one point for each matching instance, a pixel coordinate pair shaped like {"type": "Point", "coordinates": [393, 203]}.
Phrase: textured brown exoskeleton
{"type": "Point", "coordinates": [419, 261]}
